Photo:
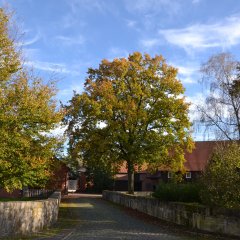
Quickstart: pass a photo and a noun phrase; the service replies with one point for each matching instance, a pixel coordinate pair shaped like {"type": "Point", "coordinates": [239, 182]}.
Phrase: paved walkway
{"type": "Point", "coordinates": [88, 217]}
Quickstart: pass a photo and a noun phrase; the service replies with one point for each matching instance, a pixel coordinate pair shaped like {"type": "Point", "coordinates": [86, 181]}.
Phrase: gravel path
{"type": "Point", "coordinates": [88, 217]}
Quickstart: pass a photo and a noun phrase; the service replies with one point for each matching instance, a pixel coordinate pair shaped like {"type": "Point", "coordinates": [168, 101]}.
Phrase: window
{"type": "Point", "coordinates": [170, 174]}
{"type": "Point", "coordinates": [188, 175]}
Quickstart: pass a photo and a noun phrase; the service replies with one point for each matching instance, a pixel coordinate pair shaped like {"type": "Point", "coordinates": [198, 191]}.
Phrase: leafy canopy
{"type": "Point", "coordinates": [222, 176]}
{"type": "Point", "coordinates": [27, 114]}
{"type": "Point", "coordinates": [132, 110]}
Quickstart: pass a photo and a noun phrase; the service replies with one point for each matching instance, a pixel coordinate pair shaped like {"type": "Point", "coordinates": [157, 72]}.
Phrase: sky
{"type": "Point", "coordinates": [63, 38]}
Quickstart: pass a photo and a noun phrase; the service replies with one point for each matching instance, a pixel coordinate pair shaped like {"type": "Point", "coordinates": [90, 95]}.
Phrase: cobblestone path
{"type": "Point", "coordinates": [88, 217]}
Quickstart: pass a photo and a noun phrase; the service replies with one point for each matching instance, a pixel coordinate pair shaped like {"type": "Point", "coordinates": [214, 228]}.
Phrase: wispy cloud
{"type": "Point", "coordinates": [223, 34]}
{"type": "Point", "coordinates": [195, 101]}
{"type": "Point", "coordinates": [69, 20]}
{"type": "Point", "coordinates": [68, 92]}
{"type": "Point", "coordinates": [131, 23]}
{"type": "Point", "coordinates": [31, 41]}
{"type": "Point", "coordinates": [78, 40]}
{"type": "Point", "coordinates": [115, 52]}
{"type": "Point", "coordinates": [187, 73]}
{"type": "Point", "coordinates": [149, 43]}
{"type": "Point", "coordinates": [89, 5]}
{"type": "Point", "coordinates": [30, 53]}
{"type": "Point", "coordinates": [153, 6]}
{"type": "Point", "coordinates": [51, 67]}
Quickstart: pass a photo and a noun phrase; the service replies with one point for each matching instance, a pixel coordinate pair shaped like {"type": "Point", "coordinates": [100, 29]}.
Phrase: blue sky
{"type": "Point", "coordinates": [65, 37]}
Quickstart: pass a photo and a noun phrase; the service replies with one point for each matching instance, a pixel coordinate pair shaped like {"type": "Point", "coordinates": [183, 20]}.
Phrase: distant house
{"type": "Point", "coordinates": [144, 181]}
{"type": "Point", "coordinates": [59, 179]}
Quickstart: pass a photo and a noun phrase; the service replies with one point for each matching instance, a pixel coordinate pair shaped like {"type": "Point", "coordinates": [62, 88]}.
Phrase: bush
{"type": "Point", "coordinates": [178, 192]}
{"type": "Point", "coordinates": [221, 178]}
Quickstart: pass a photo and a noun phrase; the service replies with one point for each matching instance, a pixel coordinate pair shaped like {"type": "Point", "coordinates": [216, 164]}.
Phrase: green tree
{"type": "Point", "coordinates": [9, 57]}
{"type": "Point", "coordinates": [220, 181]}
{"type": "Point", "coordinates": [27, 114]}
{"type": "Point", "coordinates": [101, 177]}
{"type": "Point", "coordinates": [133, 111]}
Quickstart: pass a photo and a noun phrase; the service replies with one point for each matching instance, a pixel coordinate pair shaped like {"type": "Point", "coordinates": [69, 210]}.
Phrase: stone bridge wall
{"type": "Point", "coordinates": [25, 217]}
{"type": "Point", "coordinates": [198, 217]}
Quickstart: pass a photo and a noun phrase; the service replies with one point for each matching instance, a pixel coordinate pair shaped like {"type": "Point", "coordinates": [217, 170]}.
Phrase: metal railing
{"type": "Point", "coordinates": [37, 193]}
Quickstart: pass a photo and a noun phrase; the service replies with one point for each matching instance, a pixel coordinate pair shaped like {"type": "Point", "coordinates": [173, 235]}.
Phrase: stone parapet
{"type": "Point", "coordinates": [199, 217]}
{"type": "Point", "coordinates": [26, 217]}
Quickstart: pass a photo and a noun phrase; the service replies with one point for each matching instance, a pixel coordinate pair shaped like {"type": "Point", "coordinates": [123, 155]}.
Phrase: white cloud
{"type": "Point", "coordinates": [153, 6]}
{"type": "Point", "coordinates": [195, 101]}
{"type": "Point", "coordinates": [51, 67]}
{"type": "Point", "coordinates": [131, 23]}
{"type": "Point", "coordinates": [149, 43]}
{"type": "Point", "coordinates": [89, 5]}
{"type": "Point", "coordinates": [69, 91]}
{"type": "Point", "coordinates": [187, 73]}
{"type": "Point", "coordinates": [58, 131]}
{"type": "Point", "coordinates": [30, 53]}
{"type": "Point", "coordinates": [223, 34]}
{"type": "Point", "coordinates": [31, 40]}
{"type": "Point", "coordinates": [115, 52]}
{"type": "Point", "coordinates": [28, 41]}
{"type": "Point", "coordinates": [70, 20]}
{"type": "Point", "coordinates": [79, 40]}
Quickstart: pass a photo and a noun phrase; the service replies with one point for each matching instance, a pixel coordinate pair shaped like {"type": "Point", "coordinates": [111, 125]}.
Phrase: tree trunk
{"type": "Point", "coordinates": [130, 178]}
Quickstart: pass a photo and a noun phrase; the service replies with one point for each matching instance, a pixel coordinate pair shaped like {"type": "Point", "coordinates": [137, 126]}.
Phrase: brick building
{"type": "Point", "coordinates": [196, 162]}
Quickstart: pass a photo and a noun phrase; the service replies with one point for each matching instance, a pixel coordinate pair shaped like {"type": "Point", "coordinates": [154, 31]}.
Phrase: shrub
{"type": "Point", "coordinates": [221, 178]}
{"type": "Point", "coordinates": [178, 192]}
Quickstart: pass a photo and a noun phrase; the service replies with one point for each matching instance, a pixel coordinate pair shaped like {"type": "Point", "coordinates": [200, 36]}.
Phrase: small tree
{"type": "Point", "coordinates": [221, 178]}
{"type": "Point", "coordinates": [101, 178]}
{"type": "Point", "coordinates": [132, 110]}
{"type": "Point", "coordinates": [27, 114]}
{"type": "Point", "coordinates": [221, 110]}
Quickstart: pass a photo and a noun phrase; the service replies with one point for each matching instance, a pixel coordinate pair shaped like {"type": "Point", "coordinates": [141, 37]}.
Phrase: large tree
{"type": "Point", "coordinates": [133, 111]}
{"type": "Point", "coordinates": [221, 109]}
{"type": "Point", "coordinates": [27, 114]}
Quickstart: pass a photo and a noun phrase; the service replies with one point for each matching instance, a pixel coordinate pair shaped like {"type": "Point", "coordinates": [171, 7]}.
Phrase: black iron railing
{"type": "Point", "coordinates": [37, 193]}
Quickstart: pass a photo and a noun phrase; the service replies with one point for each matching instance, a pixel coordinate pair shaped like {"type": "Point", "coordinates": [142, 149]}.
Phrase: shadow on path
{"type": "Point", "coordinates": [86, 217]}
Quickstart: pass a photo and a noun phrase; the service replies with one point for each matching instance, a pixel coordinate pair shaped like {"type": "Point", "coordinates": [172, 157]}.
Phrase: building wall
{"type": "Point", "coordinates": [147, 182]}
{"type": "Point", "coordinates": [121, 182]}
{"type": "Point", "coordinates": [82, 183]}
{"type": "Point", "coordinates": [122, 185]}
{"type": "Point", "coordinates": [59, 180]}
{"type": "Point", "coordinates": [25, 217]}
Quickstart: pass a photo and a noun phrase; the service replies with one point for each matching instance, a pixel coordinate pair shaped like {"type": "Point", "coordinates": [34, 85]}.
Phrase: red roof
{"type": "Point", "coordinates": [195, 161]}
